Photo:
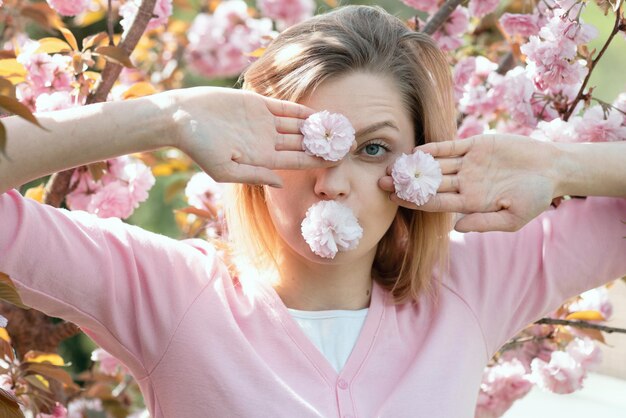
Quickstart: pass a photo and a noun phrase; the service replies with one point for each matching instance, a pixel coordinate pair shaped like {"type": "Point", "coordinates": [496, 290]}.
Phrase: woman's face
{"type": "Point", "coordinates": [384, 131]}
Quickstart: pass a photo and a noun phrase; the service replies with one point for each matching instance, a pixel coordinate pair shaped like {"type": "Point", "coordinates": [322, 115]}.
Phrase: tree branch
{"type": "Point", "coordinates": [581, 95]}
{"type": "Point", "coordinates": [580, 324]}
{"type": "Point", "coordinates": [59, 183]}
{"type": "Point", "coordinates": [438, 19]}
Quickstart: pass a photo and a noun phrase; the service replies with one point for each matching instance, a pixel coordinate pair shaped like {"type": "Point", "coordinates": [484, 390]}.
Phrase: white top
{"type": "Point", "coordinates": [333, 332]}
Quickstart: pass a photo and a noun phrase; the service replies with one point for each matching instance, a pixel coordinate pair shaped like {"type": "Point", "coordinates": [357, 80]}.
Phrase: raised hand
{"type": "Point", "coordinates": [499, 182]}
{"type": "Point", "coordinates": [240, 136]}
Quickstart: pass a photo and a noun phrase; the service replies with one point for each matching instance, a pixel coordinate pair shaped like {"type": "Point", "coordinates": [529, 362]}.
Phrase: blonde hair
{"type": "Point", "coordinates": [345, 40]}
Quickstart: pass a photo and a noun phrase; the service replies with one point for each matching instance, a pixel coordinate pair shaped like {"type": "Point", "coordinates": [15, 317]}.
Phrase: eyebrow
{"type": "Point", "coordinates": [375, 127]}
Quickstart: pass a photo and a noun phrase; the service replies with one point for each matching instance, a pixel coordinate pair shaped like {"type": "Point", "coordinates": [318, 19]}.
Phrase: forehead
{"type": "Point", "coordinates": [364, 99]}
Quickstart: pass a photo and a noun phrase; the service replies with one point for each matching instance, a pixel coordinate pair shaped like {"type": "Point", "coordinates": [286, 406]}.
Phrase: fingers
{"type": "Point", "coordinates": [288, 142]}
{"type": "Point", "coordinates": [450, 165]}
{"type": "Point", "coordinates": [298, 160]}
{"type": "Point", "coordinates": [502, 220]}
{"type": "Point", "coordinates": [449, 184]}
{"type": "Point", "coordinates": [441, 202]}
{"type": "Point", "coordinates": [287, 109]}
{"type": "Point", "coordinates": [286, 125]}
{"type": "Point", "coordinates": [447, 148]}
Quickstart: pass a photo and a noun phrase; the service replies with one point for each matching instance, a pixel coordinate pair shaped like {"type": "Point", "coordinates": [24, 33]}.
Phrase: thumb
{"type": "Point", "coordinates": [502, 220]}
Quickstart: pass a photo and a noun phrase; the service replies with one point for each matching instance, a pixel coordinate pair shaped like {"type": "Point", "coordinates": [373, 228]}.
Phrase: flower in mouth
{"type": "Point", "coordinates": [329, 227]}
{"type": "Point", "coordinates": [327, 135]}
{"type": "Point", "coordinates": [416, 177]}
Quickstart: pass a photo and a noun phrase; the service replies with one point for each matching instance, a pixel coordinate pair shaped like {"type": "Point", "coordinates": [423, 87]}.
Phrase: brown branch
{"type": "Point", "coordinates": [581, 95]}
{"type": "Point", "coordinates": [58, 185]}
{"type": "Point", "coordinates": [580, 324]}
{"type": "Point", "coordinates": [110, 22]}
{"type": "Point", "coordinates": [438, 19]}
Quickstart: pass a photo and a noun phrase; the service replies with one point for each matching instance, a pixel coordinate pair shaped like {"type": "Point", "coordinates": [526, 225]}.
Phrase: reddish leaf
{"type": "Point", "coordinates": [49, 371]}
{"type": "Point", "coordinates": [116, 55]}
{"type": "Point", "coordinates": [69, 37]}
{"type": "Point", "coordinates": [7, 54]}
{"type": "Point", "coordinates": [14, 106]}
{"type": "Point", "coordinates": [3, 140]}
{"type": "Point", "coordinates": [92, 40]}
{"type": "Point", "coordinates": [9, 405]}
{"type": "Point", "coordinates": [8, 292]}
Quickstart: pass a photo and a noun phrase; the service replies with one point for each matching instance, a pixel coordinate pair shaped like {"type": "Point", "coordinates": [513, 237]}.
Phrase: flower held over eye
{"type": "Point", "coordinates": [416, 177]}
{"type": "Point", "coordinates": [327, 135]}
{"type": "Point", "coordinates": [329, 227]}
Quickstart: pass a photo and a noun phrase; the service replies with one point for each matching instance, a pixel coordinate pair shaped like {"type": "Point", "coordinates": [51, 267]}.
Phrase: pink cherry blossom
{"type": "Point", "coordinates": [58, 411]}
{"type": "Point", "coordinates": [327, 135]}
{"type": "Point", "coordinates": [586, 353]}
{"type": "Point", "coordinates": [202, 191]}
{"type": "Point", "coordinates": [463, 71]}
{"type": "Point", "coordinates": [108, 364]}
{"type": "Point", "coordinates": [45, 71]}
{"type": "Point", "coordinates": [520, 24]}
{"type": "Point", "coordinates": [596, 126]}
{"type": "Point", "coordinates": [480, 8]}
{"type": "Point", "coordinates": [162, 12]}
{"type": "Point", "coordinates": [556, 130]}
{"type": "Point", "coordinates": [502, 384]}
{"type": "Point", "coordinates": [69, 7]}
{"type": "Point", "coordinates": [562, 374]}
{"type": "Point", "coordinates": [470, 126]}
{"type": "Point", "coordinates": [329, 227]}
{"type": "Point", "coordinates": [423, 5]}
{"type": "Point", "coordinates": [119, 191]}
{"type": "Point", "coordinates": [113, 200]}
{"type": "Point", "coordinates": [134, 174]}
{"type": "Point", "coordinates": [518, 95]}
{"type": "Point", "coordinates": [218, 43]}
{"type": "Point", "coordinates": [58, 100]}
{"type": "Point", "coordinates": [286, 12]}
{"type": "Point", "coordinates": [416, 177]}
{"type": "Point", "coordinates": [449, 36]}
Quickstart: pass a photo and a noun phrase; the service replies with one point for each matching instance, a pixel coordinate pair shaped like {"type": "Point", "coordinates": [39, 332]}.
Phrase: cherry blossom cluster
{"type": "Point", "coordinates": [117, 193]}
{"type": "Point", "coordinates": [49, 83]}
{"type": "Point", "coordinates": [204, 193]}
{"type": "Point", "coordinates": [286, 12]}
{"type": "Point", "coordinates": [219, 42]}
{"type": "Point", "coordinates": [541, 361]}
{"type": "Point", "coordinates": [162, 11]}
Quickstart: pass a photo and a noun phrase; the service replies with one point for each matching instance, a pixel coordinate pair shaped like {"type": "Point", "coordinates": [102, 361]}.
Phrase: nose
{"type": "Point", "coordinates": [332, 183]}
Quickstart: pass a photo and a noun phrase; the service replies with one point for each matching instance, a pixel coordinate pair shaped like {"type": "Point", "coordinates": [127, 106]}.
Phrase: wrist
{"type": "Point", "coordinates": [566, 170]}
{"type": "Point", "coordinates": [163, 130]}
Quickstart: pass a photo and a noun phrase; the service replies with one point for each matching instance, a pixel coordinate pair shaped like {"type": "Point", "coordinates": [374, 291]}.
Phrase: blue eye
{"type": "Point", "coordinates": [374, 149]}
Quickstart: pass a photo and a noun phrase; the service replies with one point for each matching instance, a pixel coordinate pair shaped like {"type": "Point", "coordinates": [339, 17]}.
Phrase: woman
{"type": "Point", "coordinates": [417, 327]}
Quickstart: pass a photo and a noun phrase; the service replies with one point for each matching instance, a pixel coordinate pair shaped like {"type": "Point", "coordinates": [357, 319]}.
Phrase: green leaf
{"type": "Point", "coordinates": [8, 292]}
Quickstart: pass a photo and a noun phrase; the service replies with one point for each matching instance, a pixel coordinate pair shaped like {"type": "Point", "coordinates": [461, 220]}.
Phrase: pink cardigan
{"type": "Point", "coordinates": [200, 346]}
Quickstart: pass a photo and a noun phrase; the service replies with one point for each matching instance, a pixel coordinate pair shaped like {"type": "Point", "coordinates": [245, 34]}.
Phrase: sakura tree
{"type": "Point", "coordinates": [520, 67]}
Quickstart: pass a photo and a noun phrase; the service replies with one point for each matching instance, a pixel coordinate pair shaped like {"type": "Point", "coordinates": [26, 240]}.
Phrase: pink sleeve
{"type": "Point", "coordinates": [510, 280]}
{"type": "Point", "coordinates": [127, 288]}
